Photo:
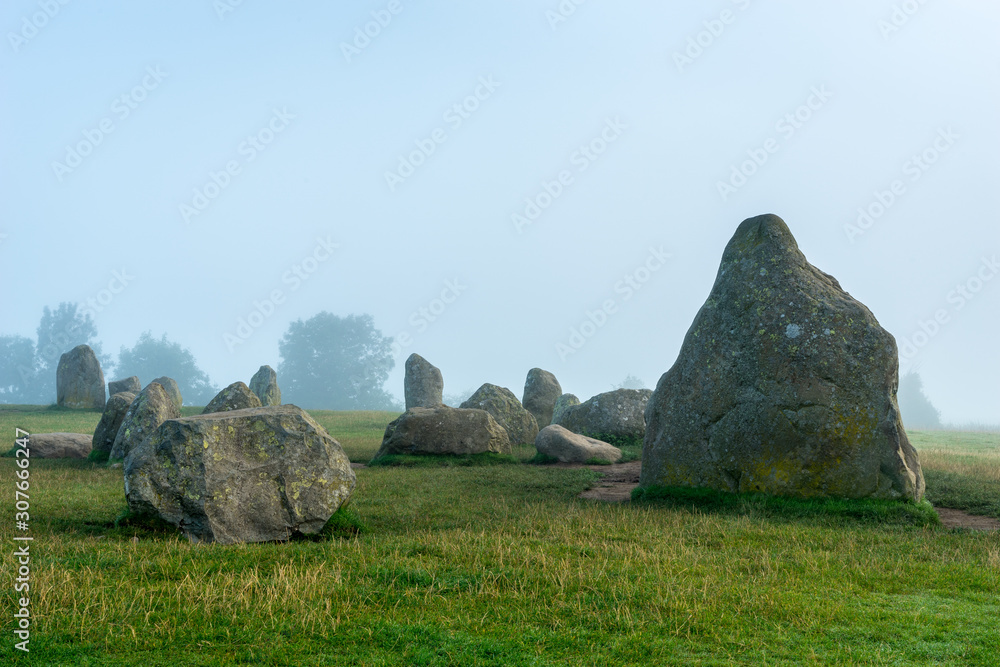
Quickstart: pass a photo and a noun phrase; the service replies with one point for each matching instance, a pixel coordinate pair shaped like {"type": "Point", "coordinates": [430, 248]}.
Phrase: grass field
{"type": "Point", "coordinates": [504, 565]}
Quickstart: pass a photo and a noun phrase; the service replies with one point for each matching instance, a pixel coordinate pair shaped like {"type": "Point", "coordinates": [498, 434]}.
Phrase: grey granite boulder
{"type": "Point", "coordinates": [236, 396]}
{"type": "Point", "coordinates": [785, 384]}
{"type": "Point", "coordinates": [541, 390]}
{"type": "Point", "coordinates": [264, 384]}
{"type": "Point", "coordinates": [615, 415]}
{"type": "Point", "coordinates": [129, 385]}
{"type": "Point", "coordinates": [563, 402]}
{"type": "Point", "coordinates": [504, 407]}
{"type": "Point", "coordinates": [173, 391]}
{"type": "Point", "coordinates": [80, 380]}
{"type": "Point", "coordinates": [568, 447]}
{"type": "Point", "coordinates": [151, 407]}
{"type": "Point", "coordinates": [107, 429]}
{"type": "Point", "coordinates": [422, 383]}
{"type": "Point", "coordinates": [256, 475]}
{"type": "Point", "coordinates": [443, 431]}
{"type": "Point", "coordinates": [59, 445]}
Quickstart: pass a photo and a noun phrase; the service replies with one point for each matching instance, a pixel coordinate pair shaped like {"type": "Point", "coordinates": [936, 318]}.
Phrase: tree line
{"type": "Point", "coordinates": [326, 362]}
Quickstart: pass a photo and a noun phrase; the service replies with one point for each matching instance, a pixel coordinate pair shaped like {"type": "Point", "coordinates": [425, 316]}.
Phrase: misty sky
{"type": "Point", "coordinates": [203, 161]}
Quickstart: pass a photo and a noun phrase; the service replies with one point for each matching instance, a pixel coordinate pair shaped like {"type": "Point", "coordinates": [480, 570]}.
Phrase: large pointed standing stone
{"type": "Point", "coordinates": [80, 380]}
{"type": "Point", "coordinates": [422, 383]}
{"type": "Point", "coordinates": [785, 384]}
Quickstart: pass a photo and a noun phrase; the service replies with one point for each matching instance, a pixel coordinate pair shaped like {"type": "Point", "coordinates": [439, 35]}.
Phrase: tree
{"type": "Point", "coordinates": [630, 382]}
{"type": "Point", "coordinates": [336, 363]}
{"type": "Point", "coordinates": [62, 329]}
{"type": "Point", "coordinates": [17, 369]}
{"type": "Point", "coordinates": [916, 409]}
{"type": "Point", "coordinates": [150, 358]}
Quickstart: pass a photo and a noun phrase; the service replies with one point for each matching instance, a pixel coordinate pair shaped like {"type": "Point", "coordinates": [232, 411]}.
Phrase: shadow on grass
{"type": "Point", "coordinates": [442, 461]}
{"type": "Point", "coordinates": [344, 524]}
{"type": "Point", "coordinates": [832, 511]}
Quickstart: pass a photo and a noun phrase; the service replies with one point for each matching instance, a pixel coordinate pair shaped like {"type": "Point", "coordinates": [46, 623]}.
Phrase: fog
{"type": "Point", "coordinates": [483, 178]}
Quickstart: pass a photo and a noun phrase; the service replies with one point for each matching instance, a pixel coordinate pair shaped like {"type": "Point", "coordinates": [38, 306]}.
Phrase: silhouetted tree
{"type": "Point", "coordinates": [59, 331]}
{"type": "Point", "coordinates": [336, 363]}
{"type": "Point", "coordinates": [630, 382]}
{"type": "Point", "coordinates": [150, 358]}
{"type": "Point", "coordinates": [17, 369]}
{"type": "Point", "coordinates": [914, 406]}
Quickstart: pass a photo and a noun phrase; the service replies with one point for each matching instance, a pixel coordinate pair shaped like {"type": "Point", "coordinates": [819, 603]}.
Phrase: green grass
{"type": "Point", "coordinates": [504, 565]}
{"type": "Point", "coordinates": [442, 461]}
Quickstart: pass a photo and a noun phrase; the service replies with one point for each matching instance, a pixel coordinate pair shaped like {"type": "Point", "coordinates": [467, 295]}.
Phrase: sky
{"type": "Point", "coordinates": [501, 185]}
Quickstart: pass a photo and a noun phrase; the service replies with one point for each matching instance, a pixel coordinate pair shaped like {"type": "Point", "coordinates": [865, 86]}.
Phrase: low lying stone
{"type": "Point", "coordinates": [444, 430]}
{"type": "Point", "coordinates": [255, 475]}
{"type": "Point", "coordinates": [568, 447]}
{"type": "Point", "coordinates": [59, 445]}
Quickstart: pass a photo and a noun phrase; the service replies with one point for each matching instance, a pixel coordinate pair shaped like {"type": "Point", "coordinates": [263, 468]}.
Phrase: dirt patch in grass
{"type": "Point", "coordinates": [616, 483]}
{"type": "Point", "coordinates": [958, 519]}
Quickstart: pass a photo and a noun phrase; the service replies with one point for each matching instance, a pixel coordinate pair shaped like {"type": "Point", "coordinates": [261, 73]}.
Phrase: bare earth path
{"type": "Point", "coordinates": [618, 480]}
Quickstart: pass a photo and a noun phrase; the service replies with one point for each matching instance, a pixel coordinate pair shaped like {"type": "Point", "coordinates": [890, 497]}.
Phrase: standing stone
{"type": "Point", "coordinates": [151, 407]}
{"type": "Point", "coordinates": [422, 384]}
{"type": "Point", "coordinates": [563, 402]}
{"type": "Point", "coordinates": [785, 384]}
{"type": "Point", "coordinates": [173, 391]}
{"type": "Point", "coordinates": [615, 415]}
{"type": "Point", "coordinates": [111, 421]}
{"type": "Point", "coordinates": [236, 396]}
{"type": "Point", "coordinates": [567, 447]}
{"type": "Point", "coordinates": [444, 431]}
{"type": "Point", "coordinates": [541, 390]}
{"type": "Point", "coordinates": [504, 407]}
{"type": "Point", "coordinates": [79, 380]}
{"type": "Point", "coordinates": [129, 385]}
{"type": "Point", "coordinates": [264, 383]}
{"type": "Point", "coordinates": [255, 475]}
